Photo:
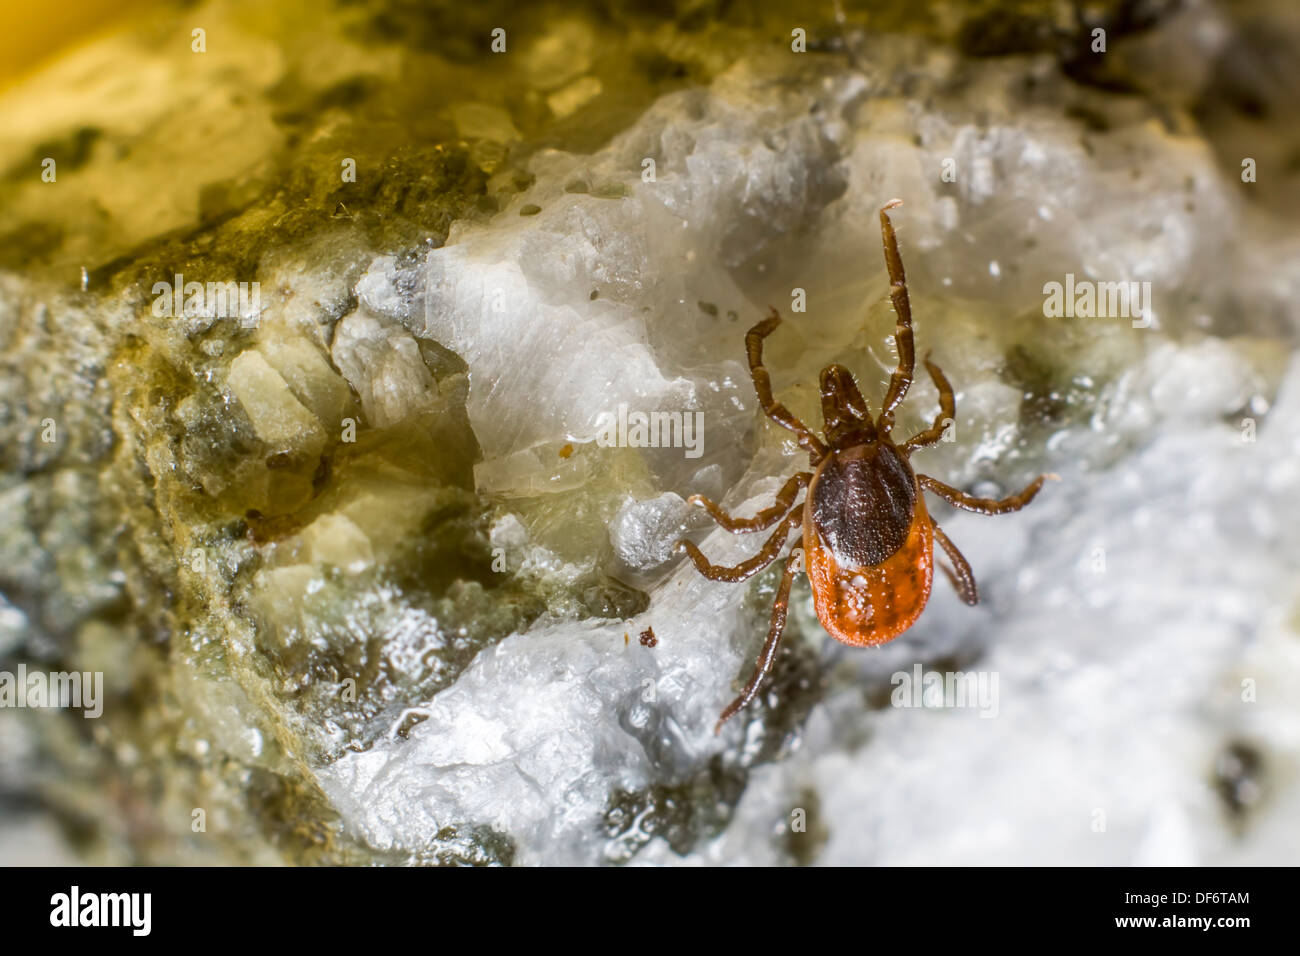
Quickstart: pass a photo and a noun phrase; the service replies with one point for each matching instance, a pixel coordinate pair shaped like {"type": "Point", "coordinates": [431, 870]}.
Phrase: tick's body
{"type": "Point", "coordinates": [868, 540]}
{"type": "Point", "coordinates": [868, 545]}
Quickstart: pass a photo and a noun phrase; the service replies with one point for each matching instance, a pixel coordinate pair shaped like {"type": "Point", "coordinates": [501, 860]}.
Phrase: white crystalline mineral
{"type": "Point", "coordinates": [382, 361]}
{"type": "Point", "coordinates": [644, 533]}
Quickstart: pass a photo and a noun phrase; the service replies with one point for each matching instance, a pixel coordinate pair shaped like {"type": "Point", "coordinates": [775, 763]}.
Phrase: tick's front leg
{"type": "Point", "coordinates": [763, 388]}
{"type": "Point", "coordinates": [901, 380]}
{"type": "Point", "coordinates": [947, 409]}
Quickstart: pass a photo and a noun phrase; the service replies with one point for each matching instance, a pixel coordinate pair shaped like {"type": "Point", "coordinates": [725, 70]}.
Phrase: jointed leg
{"type": "Point", "coordinates": [746, 569]}
{"type": "Point", "coordinates": [947, 408]}
{"type": "Point", "coordinates": [984, 506]}
{"type": "Point", "coordinates": [765, 518]}
{"type": "Point", "coordinates": [902, 377]}
{"type": "Point", "coordinates": [962, 577]}
{"type": "Point", "coordinates": [763, 386]}
{"type": "Point", "coordinates": [767, 655]}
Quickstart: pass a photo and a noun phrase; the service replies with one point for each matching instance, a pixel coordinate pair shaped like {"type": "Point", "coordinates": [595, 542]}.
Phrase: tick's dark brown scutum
{"type": "Point", "coordinates": [862, 501]}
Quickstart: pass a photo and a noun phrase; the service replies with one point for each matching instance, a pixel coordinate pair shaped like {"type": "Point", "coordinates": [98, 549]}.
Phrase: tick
{"type": "Point", "coordinates": [868, 541]}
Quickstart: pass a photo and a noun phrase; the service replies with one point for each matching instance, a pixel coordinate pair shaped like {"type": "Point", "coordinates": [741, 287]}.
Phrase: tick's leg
{"type": "Point", "coordinates": [765, 518]}
{"type": "Point", "coordinates": [902, 377]}
{"type": "Point", "coordinates": [947, 408]}
{"type": "Point", "coordinates": [843, 408]}
{"type": "Point", "coordinates": [962, 577]}
{"type": "Point", "coordinates": [984, 506]}
{"type": "Point", "coordinates": [763, 386]}
{"type": "Point", "coordinates": [767, 655]}
{"type": "Point", "coordinates": [746, 569]}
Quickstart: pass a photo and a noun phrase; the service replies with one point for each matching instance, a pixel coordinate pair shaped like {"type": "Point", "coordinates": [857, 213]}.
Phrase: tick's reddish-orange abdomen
{"type": "Point", "coordinates": [865, 606]}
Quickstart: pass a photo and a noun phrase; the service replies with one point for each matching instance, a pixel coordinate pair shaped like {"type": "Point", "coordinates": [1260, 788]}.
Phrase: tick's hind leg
{"type": "Point", "coordinates": [765, 518]}
{"type": "Point", "coordinates": [947, 409]}
{"type": "Point", "coordinates": [746, 569]}
{"type": "Point", "coordinates": [763, 386]}
{"type": "Point", "coordinates": [961, 576]}
{"type": "Point", "coordinates": [901, 379]}
{"type": "Point", "coordinates": [985, 506]}
{"type": "Point", "coordinates": [767, 656]}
